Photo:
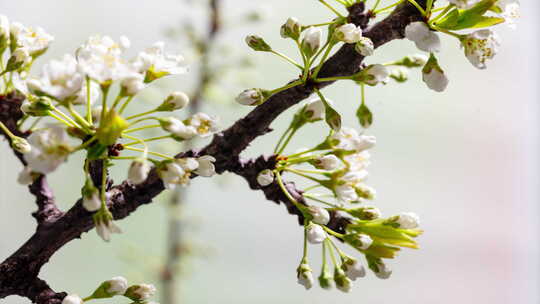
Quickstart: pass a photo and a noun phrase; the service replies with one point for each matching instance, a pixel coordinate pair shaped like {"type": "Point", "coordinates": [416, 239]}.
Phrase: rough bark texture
{"type": "Point", "coordinates": [19, 272]}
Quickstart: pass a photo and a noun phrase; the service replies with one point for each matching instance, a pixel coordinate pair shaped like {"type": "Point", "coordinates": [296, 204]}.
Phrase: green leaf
{"type": "Point", "coordinates": [450, 20]}
{"type": "Point", "coordinates": [479, 22]}
{"type": "Point", "coordinates": [470, 18]}
{"type": "Point", "coordinates": [365, 117]}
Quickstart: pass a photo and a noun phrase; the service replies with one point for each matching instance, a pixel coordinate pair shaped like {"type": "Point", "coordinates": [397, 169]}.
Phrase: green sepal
{"type": "Point", "coordinates": [365, 117]}
{"type": "Point", "coordinates": [111, 128]}
{"type": "Point", "coordinates": [332, 117]}
{"type": "Point", "coordinates": [96, 151]}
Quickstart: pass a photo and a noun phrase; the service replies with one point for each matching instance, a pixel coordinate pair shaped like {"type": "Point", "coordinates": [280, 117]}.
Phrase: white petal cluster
{"type": "Point", "coordinates": [138, 171]}
{"type": "Point", "coordinates": [92, 201]}
{"type": "Point", "coordinates": [25, 176]}
{"type": "Point", "coordinates": [250, 97]}
{"type": "Point", "coordinates": [105, 228]}
{"type": "Point", "coordinates": [510, 11]}
{"type": "Point", "coordinates": [305, 276]}
{"type": "Point", "coordinates": [311, 40]}
{"type": "Point", "coordinates": [206, 166]}
{"type": "Point", "coordinates": [423, 37]}
{"type": "Point", "coordinates": [327, 162]}
{"type": "Point", "coordinates": [348, 33]}
{"type": "Point", "coordinates": [179, 171]}
{"type": "Point", "coordinates": [349, 139]}
{"type": "Point", "coordinates": [204, 124]}
{"type": "Point", "coordinates": [353, 269]}
{"type": "Point", "coordinates": [34, 40]}
{"type": "Point", "coordinates": [117, 286]}
{"type": "Point", "coordinates": [155, 63]}
{"type": "Point", "coordinates": [435, 79]}
{"type": "Point", "coordinates": [480, 46]}
{"type": "Point", "coordinates": [383, 271]}
{"type": "Point", "coordinates": [144, 291]}
{"type": "Point", "coordinates": [49, 149]}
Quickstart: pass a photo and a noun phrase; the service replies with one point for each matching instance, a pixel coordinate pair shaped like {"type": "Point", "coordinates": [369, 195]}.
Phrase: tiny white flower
{"type": "Point", "coordinates": [291, 29]}
{"type": "Point", "coordinates": [365, 46]}
{"type": "Point", "coordinates": [177, 128]}
{"type": "Point", "coordinates": [327, 162]}
{"type": "Point", "coordinates": [250, 97]}
{"type": "Point", "coordinates": [144, 291]}
{"type": "Point", "coordinates": [348, 33]}
{"type": "Point", "coordinates": [206, 166]}
{"type": "Point", "coordinates": [92, 201]}
{"type": "Point", "coordinates": [346, 193]}
{"type": "Point", "coordinates": [138, 171]}
{"type": "Point", "coordinates": [353, 269]}
{"type": "Point", "coordinates": [349, 139]}
{"type": "Point", "coordinates": [384, 272]}
{"type": "Point", "coordinates": [156, 64]}
{"type": "Point", "coordinates": [343, 283]}
{"type": "Point", "coordinates": [435, 79]}
{"type": "Point", "coordinates": [117, 286]}
{"type": "Point", "coordinates": [510, 11]}
{"type": "Point", "coordinates": [36, 41]}
{"type": "Point", "coordinates": [172, 174]}
{"type": "Point", "coordinates": [72, 299]}
{"type": "Point", "coordinates": [189, 164]}
{"type": "Point", "coordinates": [315, 234]}
{"type": "Point", "coordinates": [423, 37]}
{"type": "Point", "coordinates": [480, 46]}
{"type": "Point", "coordinates": [320, 215]}
{"type": "Point", "coordinates": [204, 124]}
{"type": "Point", "coordinates": [408, 220]}
{"type": "Point", "coordinates": [265, 177]}
{"type": "Point", "coordinates": [25, 176]}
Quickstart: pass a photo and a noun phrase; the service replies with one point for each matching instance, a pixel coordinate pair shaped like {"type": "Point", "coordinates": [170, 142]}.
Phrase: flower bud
{"type": "Point", "coordinates": [4, 33]}
{"type": "Point", "coordinates": [18, 58]}
{"type": "Point", "coordinates": [353, 269]}
{"type": "Point", "coordinates": [110, 288]}
{"type": "Point", "coordinates": [91, 197]}
{"type": "Point", "coordinates": [373, 74]}
{"type": "Point", "coordinates": [132, 85]}
{"type": "Point", "coordinates": [365, 213]}
{"type": "Point", "coordinates": [413, 61]}
{"type": "Point", "coordinates": [359, 241]}
{"type": "Point", "coordinates": [326, 280]}
{"type": "Point", "coordinates": [381, 270]}
{"type": "Point", "coordinates": [257, 43]}
{"type": "Point", "coordinates": [177, 128]}
{"type": "Point", "coordinates": [327, 162]}
{"type": "Point", "coordinates": [37, 107]}
{"type": "Point", "coordinates": [305, 275]}
{"type": "Point", "coordinates": [348, 33]}
{"type": "Point", "coordinates": [206, 166]}
{"type": "Point", "coordinates": [400, 74]}
{"type": "Point", "coordinates": [140, 292]}
{"type": "Point", "coordinates": [408, 220]}
{"type": "Point", "coordinates": [175, 101]}
{"type": "Point", "coordinates": [314, 110]}
{"type": "Point", "coordinates": [343, 283]}
{"type": "Point", "coordinates": [311, 42]}
{"type": "Point", "coordinates": [291, 29]}
{"type": "Point", "coordinates": [315, 234]}
{"type": "Point", "coordinates": [434, 76]}
{"type": "Point", "coordinates": [138, 171]}
{"type": "Point", "coordinates": [423, 37]}
{"type": "Point", "coordinates": [25, 176]}
{"type": "Point", "coordinates": [20, 145]}
{"type": "Point", "coordinates": [320, 215]}
{"type": "Point", "coordinates": [251, 97]}
{"type": "Point", "coordinates": [265, 177]}
{"type": "Point", "coordinates": [72, 299]}
{"type": "Point", "coordinates": [365, 46]}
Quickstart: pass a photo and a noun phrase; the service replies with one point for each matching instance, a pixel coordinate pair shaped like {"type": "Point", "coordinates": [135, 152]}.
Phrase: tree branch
{"type": "Point", "coordinates": [18, 273]}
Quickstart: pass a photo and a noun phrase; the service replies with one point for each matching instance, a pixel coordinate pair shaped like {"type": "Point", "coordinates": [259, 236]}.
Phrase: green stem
{"type": "Point", "coordinates": [141, 114]}
{"type": "Point", "coordinates": [7, 131]}
{"type": "Point", "coordinates": [387, 8]}
{"type": "Point", "coordinates": [150, 152]}
{"type": "Point", "coordinates": [283, 88]}
{"type": "Point", "coordinates": [331, 8]}
{"type": "Point", "coordinates": [66, 117]}
{"type": "Point", "coordinates": [105, 91]}
{"type": "Point", "coordinates": [323, 59]}
{"type": "Point", "coordinates": [331, 252]}
{"type": "Point", "coordinates": [126, 103]}
{"type": "Point", "coordinates": [332, 78]}
{"type": "Point", "coordinates": [61, 120]}
{"type": "Point", "coordinates": [287, 141]}
{"type": "Point", "coordinates": [145, 151]}
{"type": "Point", "coordinates": [303, 175]}
{"type": "Point", "coordinates": [332, 232]}
{"type": "Point", "coordinates": [458, 36]}
{"type": "Point", "coordinates": [85, 144]}
{"type": "Point", "coordinates": [288, 195]}
{"type": "Point", "coordinates": [304, 256]}
{"type": "Point", "coordinates": [143, 119]}
{"type": "Point", "coordinates": [281, 139]}
{"type": "Point", "coordinates": [117, 100]}
{"type": "Point", "coordinates": [291, 61]}
{"type": "Point", "coordinates": [88, 101]}
{"type": "Point", "coordinates": [311, 197]}
{"type": "Point", "coordinates": [301, 153]}
{"type": "Point", "coordinates": [147, 140]}
{"type": "Point", "coordinates": [442, 14]}
{"type": "Point", "coordinates": [413, 2]}
{"type": "Point", "coordinates": [80, 120]}
{"type": "Point", "coordinates": [140, 128]}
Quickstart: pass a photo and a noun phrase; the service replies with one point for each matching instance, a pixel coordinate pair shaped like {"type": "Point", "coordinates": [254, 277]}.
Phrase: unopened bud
{"type": "Point", "coordinates": [257, 43]}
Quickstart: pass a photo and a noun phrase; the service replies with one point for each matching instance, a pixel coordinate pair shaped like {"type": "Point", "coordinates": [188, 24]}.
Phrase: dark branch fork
{"type": "Point", "coordinates": [19, 272]}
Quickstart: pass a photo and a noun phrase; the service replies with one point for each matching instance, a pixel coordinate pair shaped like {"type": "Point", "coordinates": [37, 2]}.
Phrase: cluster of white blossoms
{"type": "Point", "coordinates": [62, 101]}
{"type": "Point", "coordinates": [117, 286]}
{"type": "Point", "coordinates": [479, 45]}
{"type": "Point", "coordinates": [339, 171]}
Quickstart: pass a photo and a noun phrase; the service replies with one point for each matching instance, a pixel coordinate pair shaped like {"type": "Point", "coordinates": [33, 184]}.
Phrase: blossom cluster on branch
{"type": "Point", "coordinates": [77, 105]}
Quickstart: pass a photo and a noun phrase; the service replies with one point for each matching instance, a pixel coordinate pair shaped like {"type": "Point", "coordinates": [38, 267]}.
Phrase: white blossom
{"type": "Point", "coordinates": [305, 276]}
{"type": "Point", "coordinates": [315, 234]}
{"type": "Point", "coordinates": [376, 73]}
{"type": "Point", "coordinates": [327, 162]}
{"type": "Point", "coordinates": [480, 46]}
{"type": "Point", "coordinates": [142, 292]}
{"type": "Point", "coordinates": [365, 46]}
{"type": "Point", "coordinates": [138, 171]}
{"type": "Point", "coordinates": [177, 128]}
{"type": "Point", "coordinates": [81, 97]}
{"type": "Point", "coordinates": [25, 176]}
{"type": "Point", "coordinates": [348, 33]}
{"type": "Point", "coordinates": [384, 272]}
{"type": "Point", "coordinates": [320, 215]}
{"type": "Point", "coordinates": [423, 37]}
{"type": "Point", "coordinates": [349, 139]}
{"type": "Point", "coordinates": [408, 220]}
{"type": "Point", "coordinates": [173, 174]}
{"type": "Point", "coordinates": [175, 101]}
{"type": "Point", "coordinates": [353, 269]}
{"type": "Point", "coordinates": [36, 41]}
{"type": "Point", "coordinates": [206, 167]}
{"type": "Point", "coordinates": [204, 124]}
{"type": "Point", "coordinates": [510, 11]}
{"type": "Point", "coordinates": [435, 79]}
{"type": "Point", "coordinates": [117, 286]}
{"type": "Point", "coordinates": [291, 28]}
{"type": "Point", "coordinates": [60, 79]}
{"type": "Point", "coordinates": [72, 299]}
{"type": "Point", "coordinates": [156, 63]}
{"type": "Point", "coordinates": [358, 161]}
{"type": "Point", "coordinates": [312, 39]}
{"type": "Point", "coordinates": [265, 177]}
{"type": "Point", "coordinates": [346, 193]}
{"type": "Point", "coordinates": [49, 149]}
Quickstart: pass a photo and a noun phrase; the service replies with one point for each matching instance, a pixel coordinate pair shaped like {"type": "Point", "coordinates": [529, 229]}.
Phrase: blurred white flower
{"type": "Point", "coordinates": [423, 37]}
{"type": "Point", "coordinates": [206, 166]}
{"type": "Point", "coordinates": [49, 149]}
{"type": "Point", "coordinates": [348, 33]}
{"type": "Point", "coordinates": [315, 234]}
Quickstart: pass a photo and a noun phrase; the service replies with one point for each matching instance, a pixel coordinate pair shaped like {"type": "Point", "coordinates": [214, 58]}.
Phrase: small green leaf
{"type": "Point", "coordinates": [479, 22]}
{"type": "Point", "coordinates": [365, 117]}
{"type": "Point", "coordinates": [450, 20]}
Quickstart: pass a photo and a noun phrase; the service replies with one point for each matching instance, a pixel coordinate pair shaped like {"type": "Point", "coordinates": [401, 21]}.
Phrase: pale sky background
{"type": "Point", "coordinates": [466, 161]}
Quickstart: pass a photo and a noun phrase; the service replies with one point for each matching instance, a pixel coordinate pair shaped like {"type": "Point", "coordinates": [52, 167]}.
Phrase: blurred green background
{"type": "Point", "coordinates": [466, 161]}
